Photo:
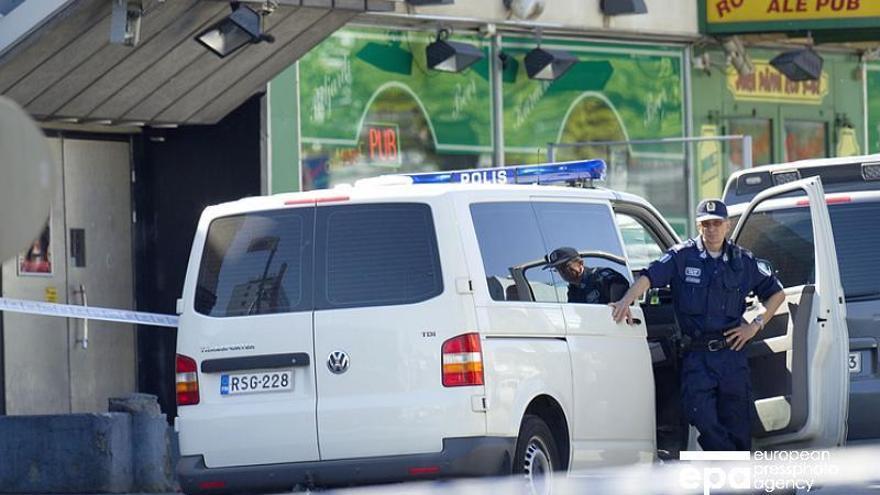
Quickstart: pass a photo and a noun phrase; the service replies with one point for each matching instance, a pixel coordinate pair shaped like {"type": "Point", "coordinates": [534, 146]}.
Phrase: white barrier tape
{"type": "Point", "coordinates": [87, 313]}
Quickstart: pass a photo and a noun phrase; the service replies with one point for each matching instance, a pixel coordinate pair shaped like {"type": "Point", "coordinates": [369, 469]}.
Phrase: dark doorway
{"type": "Point", "coordinates": [178, 173]}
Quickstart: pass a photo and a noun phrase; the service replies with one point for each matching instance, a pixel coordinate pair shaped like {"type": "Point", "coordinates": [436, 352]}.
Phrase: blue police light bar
{"type": "Point", "coordinates": [522, 174]}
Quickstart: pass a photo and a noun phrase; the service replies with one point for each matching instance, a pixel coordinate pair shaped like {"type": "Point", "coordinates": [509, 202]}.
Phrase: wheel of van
{"type": "Point", "coordinates": [536, 455]}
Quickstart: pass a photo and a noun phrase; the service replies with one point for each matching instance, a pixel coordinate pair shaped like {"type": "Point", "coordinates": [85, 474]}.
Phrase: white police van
{"type": "Point", "coordinates": [391, 331]}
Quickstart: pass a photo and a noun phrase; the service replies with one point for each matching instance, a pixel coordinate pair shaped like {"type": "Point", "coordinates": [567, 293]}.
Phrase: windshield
{"type": "Point", "coordinates": [856, 239]}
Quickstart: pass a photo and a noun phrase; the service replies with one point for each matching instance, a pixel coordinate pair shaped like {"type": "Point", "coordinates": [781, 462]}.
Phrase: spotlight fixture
{"type": "Point", "coordinates": [621, 7]}
{"type": "Point", "coordinates": [243, 26]}
{"type": "Point", "coordinates": [737, 56]}
{"type": "Point", "coordinates": [799, 65]}
{"type": "Point", "coordinates": [548, 65]}
{"type": "Point", "coordinates": [451, 56]}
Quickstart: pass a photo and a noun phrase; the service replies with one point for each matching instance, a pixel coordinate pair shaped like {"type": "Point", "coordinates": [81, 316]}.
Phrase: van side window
{"type": "Point", "coordinates": [587, 227]}
{"type": "Point", "coordinates": [641, 246]}
{"type": "Point", "coordinates": [510, 242]}
{"type": "Point", "coordinates": [784, 238]}
{"type": "Point", "coordinates": [376, 255]}
{"type": "Point", "coordinates": [257, 263]}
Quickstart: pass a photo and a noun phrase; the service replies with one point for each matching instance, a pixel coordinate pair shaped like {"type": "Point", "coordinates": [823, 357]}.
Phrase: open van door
{"type": "Point", "coordinates": [798, 362]}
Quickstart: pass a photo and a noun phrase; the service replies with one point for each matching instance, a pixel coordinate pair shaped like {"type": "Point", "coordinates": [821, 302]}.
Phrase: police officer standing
{"type": "Point", "coordinates": [710, 278]}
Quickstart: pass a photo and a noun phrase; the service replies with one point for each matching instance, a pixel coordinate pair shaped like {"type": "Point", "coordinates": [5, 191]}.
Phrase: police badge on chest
{"type": "Point", "coordinates": [692, 274]}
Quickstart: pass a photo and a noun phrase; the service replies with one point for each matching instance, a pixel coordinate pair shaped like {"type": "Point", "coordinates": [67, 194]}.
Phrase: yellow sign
{"type": "Point", "coordinates": [727, 11]}
{"type": "Point", "coordinates": [51, 294]}
{"type": "Point", "coordinates": [709, 164]}
{"type": "Point", "coordinates": [847, 143]}
{"type": "Point", "coordinates": [769, 85]}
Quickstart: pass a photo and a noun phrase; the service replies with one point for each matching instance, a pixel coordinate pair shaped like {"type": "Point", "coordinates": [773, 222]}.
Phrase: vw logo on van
{"type": "Point", "coordinates": [337, 362]}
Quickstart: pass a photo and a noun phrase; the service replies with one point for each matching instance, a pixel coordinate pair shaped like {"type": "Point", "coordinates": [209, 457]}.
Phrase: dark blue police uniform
{"type": "Point", "coordinates": [596, 286]}
{"type": "Point", "coordinates": [709, 295]}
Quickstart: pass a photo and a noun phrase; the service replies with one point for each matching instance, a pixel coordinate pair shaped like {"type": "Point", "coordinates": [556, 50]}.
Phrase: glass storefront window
{"type": "Point", "coordinates": [615, 93]}
{"type": "Point", "coordinates": [805, 139]}
{"type": "Point", "coordinates": [363, 103]}
{"type": "Point", "coordinates": [395, 137]}
{"type": "Point", "coordinates": [658, 174]}
{"type": "Point", "coordinates": [611, 94]}
{"type": "Point", "coordinates": [370, 106]}
{"type": "Point", "coordinates": [761, 131]}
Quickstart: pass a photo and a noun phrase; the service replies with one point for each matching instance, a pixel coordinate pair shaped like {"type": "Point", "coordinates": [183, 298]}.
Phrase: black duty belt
{"type": "Point", "coordinates": [691, 344]}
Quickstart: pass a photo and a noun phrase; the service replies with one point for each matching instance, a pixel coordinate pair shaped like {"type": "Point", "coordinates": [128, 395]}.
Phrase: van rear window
{"type": "Point", "coordinates": [356, 256]}
{"type": "Point", "coordinates": [856, 238]}
{"type": "Point", "coordinates": [376, 255]}
{"type": "Point", "coordinates": [257, 263]}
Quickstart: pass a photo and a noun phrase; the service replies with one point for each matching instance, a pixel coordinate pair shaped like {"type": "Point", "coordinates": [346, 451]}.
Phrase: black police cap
{"type": "Point", "coordinates": [560, 257]}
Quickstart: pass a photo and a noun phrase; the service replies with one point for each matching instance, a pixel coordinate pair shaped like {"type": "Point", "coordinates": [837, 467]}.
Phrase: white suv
{"type": "Point", "coordinates": [852, 192]}
{"type": "Point", "coordinates": [388, 332]}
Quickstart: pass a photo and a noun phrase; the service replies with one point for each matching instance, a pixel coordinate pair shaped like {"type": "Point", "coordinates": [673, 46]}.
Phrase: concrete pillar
{"type": "Point", "coordinates": [151, 446]}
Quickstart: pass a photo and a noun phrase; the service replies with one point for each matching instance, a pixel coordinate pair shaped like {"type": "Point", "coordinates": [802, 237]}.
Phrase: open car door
{"type": "Point", "coordinates": [798, 361]}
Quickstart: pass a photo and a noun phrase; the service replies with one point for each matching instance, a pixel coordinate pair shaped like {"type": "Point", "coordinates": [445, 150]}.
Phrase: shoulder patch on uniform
{"type": "Point", "coordinates": [666, 257]}
{"type": "Point", "coordinates": [764, 267]}
{"type": "Point", "coordinates": [683, 245]}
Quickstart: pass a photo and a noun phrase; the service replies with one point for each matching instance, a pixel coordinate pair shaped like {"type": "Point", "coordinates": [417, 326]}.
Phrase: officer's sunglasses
{"type": "Point", "coordinates": [714, 223]}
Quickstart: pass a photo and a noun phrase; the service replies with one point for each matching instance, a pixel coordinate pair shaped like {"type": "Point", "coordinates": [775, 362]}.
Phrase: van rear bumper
{"type": "Point", "coordinates": [460, 457]}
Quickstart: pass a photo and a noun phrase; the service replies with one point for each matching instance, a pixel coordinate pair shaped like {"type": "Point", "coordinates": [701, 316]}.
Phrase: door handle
{"type": "Point", "coordinates": [83, 339]}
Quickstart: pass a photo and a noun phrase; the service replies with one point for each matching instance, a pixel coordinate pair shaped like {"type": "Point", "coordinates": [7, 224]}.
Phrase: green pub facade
{"type": "Point", "coordinates": [364, 103]}
{"type": "Point", "coordinates": [836, 115]}
{"type": "Point", "coordinates": [787, 120]}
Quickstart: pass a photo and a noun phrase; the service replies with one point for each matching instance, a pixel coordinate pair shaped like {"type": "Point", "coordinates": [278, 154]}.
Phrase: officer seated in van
{"type": "Point", "coordinates": [586, 285]}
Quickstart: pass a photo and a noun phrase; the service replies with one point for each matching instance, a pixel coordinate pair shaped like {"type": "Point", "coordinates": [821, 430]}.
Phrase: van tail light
{"type": "Point", "coordinates": [187, 381]}
{"type": "Point", "coordinates": [463, 361]}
